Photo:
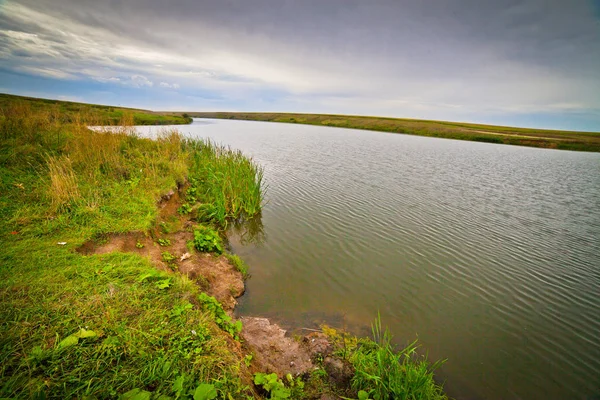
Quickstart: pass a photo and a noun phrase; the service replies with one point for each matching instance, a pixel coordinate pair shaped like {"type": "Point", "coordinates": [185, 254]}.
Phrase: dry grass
{"type": "Point", "coordinates": [63, 190]}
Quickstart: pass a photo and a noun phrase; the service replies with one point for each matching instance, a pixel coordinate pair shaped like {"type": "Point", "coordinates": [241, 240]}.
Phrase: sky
{"type": "Point", "coordinates": [532, 63]}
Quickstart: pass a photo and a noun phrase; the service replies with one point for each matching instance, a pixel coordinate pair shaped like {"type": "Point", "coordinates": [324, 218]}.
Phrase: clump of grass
{"type": "Point", "coordinates": [164, 242]}
{"type": "Point", "coordinates": [383, 372]}
{"type": "Point", "coordinates": [238, 264]}
{"type": "Point", "coordinates": [63, 190]}
{"type": "Point", "coordinates": [223, 320]}
{"type": "Point", "coordinates": [229, 185]}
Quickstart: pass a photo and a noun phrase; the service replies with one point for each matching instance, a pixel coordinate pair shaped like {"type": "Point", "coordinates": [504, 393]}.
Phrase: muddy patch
{"type": "Point", "coordinates": [273, 350]}
{"type": "Point", "coordinates": [215, 274]}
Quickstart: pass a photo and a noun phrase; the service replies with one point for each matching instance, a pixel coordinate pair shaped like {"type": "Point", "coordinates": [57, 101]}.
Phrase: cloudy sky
{"type": "Point", "coordinates": [513, 62]}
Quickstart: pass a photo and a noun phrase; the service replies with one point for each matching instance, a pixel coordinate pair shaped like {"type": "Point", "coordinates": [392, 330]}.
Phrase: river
{"type": "Point", "coordinates": [488, 254]}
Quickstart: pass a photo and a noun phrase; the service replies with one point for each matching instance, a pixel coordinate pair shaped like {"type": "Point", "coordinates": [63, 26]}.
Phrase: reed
{"type": "Point", "coordinates": [384, 372]}
{"type": "Point", "coordinates": [229, 184]}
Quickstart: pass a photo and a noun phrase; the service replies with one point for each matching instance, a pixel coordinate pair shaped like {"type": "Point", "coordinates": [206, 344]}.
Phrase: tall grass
{"type": "Point", "coordinates": [93, 114]}
{"type": "Point", "coordinates": [385, 372]}
{"type": "Point", "coordinates": [64, 190]}
{"type": "Point", "coordinates": [229, 184]}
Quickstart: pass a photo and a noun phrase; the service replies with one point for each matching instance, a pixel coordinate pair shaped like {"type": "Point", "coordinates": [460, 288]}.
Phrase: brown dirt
{"type": "Point", "coordinates": [273, 350]}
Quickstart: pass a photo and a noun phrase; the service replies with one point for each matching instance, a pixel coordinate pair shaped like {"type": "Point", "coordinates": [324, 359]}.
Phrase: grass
{"type": "Point", "coordinates": [101, 325]}
{"type": "Point", "coordinates": [565, 140]}
{"type": "Point", "coordinates": [71, 112]}
{"type": "Point", "coordinates": [231, 184]}
{"type": "Point", "coordinates": [239, 264]}
{"type": "Point", "coordinates": [382, 371]}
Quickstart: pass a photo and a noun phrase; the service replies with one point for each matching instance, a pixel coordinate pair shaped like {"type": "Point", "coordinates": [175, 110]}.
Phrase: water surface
{"type": "Point", "coordinates": [489, 254]}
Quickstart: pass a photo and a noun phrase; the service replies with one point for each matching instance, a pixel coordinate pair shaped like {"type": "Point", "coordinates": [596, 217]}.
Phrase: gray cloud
{"type": "Point", "coordinates": [411, 58]}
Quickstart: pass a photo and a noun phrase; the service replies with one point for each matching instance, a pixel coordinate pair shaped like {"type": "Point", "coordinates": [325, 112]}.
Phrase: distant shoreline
{"type": "Point", "coordinates": [543, 138]}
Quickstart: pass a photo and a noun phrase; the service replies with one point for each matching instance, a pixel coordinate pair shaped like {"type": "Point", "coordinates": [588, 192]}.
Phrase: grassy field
{"type": "Point", "coordinates": [70, 112]}
{"type": "Point", "coordinates": [102, 325]}
{"type": "Point", "coordinates": [113, 325]}
{"type": "Point", "coordinates": [566, 140]}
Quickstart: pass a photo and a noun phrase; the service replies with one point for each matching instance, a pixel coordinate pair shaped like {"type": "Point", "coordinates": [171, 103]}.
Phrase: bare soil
{"type": "Point", "coordinates": [273, 350]}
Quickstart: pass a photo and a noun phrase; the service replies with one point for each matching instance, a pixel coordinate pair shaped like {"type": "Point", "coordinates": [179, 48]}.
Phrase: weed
{"type": "Point", "coordinates": [224, 321]}
{"type": "Point", "coordinates": [164, 242]}
{"type": "Point", "coordinates": [248, 360]}
{"type": "Point", "coordinates": [139, 245]}
{"type": "Point", "coordinates": [228, 184]}
{"type": "Point", "coordinates": [185, 208]}
{"type": "Point", "coordinates": [272, 385]}
{"type": "Point", "coordinates": [239, 264]}
{"type": "Point", "coordinates": [168, 257]}
{"type": "Point", "coordinates": [170, 260]}
{"type": "Point", "coordinates": [207, 240]}
{"type": "Point", "coordinates": [384, 373]}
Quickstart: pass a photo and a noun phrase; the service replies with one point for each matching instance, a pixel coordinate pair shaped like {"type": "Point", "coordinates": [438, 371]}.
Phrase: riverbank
{"type": "Point", "coordinates": [552, 139]}
{"type": "Point", "coordinates": [116, 282]}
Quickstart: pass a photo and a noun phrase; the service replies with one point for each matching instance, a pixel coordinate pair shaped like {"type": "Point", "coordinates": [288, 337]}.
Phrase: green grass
{"type": "Point", "coordinates": [387, 373]}
{"type": "Point", "coordinates": [382, 371]}
{"type": "Point", "coordinates": [239, 264]}
{"type": "Point", "coordinates": [71, 112]}
{"type": "Point", "coordinates": [62, 185]}
{"type": "Point", "coordinates": [555, 139]}
{"type": "Point", "coordinates": [231, 186]}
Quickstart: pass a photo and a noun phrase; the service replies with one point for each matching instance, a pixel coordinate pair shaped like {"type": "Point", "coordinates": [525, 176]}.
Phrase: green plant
{"type": "Point", "coordinates": [228, 184]}
{"type": "Point", "coordinates": [185, 208]}
{"type": "Point", "coordinates": [164, 242]}
{"type": "Point", "coordinates": [361, 395]}
{"type": "Point", "coordinates": [223, 320]}
{"type": "Point", "coordinates": [205, 391]}
{"type": "Point", "coordinates": [168, 257]}
{"type": "Point", "coordinates": [384, 373]}
{"type": "Point", "coordinates": [238, 264]}
{"type": "Point", "coordinates": [248, 360]}
{"type": "Point", "coordinates": [272, 385]}
{"type": "Point", "coordinates": [207, 240]}
{"type": "Point", "coordinates": [139, 245]}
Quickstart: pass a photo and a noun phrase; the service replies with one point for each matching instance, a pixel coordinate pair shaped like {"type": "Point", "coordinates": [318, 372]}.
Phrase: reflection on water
{"type": "Point", "coordinates": [248, 231]}
{"type": "Point", "coordinates": [490, 254]}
